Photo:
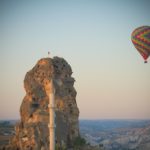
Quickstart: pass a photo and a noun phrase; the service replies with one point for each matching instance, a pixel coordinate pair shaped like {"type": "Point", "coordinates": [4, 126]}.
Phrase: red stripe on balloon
{"type": "Point", "coordinates": [141, 46]}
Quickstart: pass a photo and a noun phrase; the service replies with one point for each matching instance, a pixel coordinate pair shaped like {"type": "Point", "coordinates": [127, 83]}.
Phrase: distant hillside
{"type": "Point", "coordinates": [11, 122]}
{"type": "Point", "coordinates": [6, 131]}
{"type": "Point", "coordinates": [117, 134]}
{"type": "Point", "coordinates": [102, 125]}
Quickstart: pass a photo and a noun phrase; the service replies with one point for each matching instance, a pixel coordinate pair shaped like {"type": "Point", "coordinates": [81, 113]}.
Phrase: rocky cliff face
{"type": "Point", "coordinates": [32, 132]}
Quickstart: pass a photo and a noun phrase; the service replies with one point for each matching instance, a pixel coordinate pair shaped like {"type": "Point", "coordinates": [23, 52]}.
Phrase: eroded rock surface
{"type": "Point", "coordinates": [32, 132]}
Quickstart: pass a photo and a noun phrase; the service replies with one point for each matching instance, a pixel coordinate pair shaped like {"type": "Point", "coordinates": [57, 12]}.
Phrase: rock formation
{"type": "Point", "coordinates": [32, 132]}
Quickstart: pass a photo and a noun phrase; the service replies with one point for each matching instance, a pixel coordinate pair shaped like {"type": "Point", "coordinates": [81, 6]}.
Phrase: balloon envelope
{"type": "Point", "coordinates": [141, 40]}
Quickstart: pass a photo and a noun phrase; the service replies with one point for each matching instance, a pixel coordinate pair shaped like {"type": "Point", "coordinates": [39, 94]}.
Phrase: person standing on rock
{"type": "Point", "coordinates": [48, 53]}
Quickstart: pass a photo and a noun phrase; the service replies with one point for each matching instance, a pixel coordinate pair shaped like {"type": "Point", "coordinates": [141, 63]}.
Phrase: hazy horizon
{"type": "Point", "coordinates": [94, 36]}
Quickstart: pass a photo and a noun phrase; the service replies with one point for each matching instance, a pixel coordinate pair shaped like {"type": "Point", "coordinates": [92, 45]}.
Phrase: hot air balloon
{"type": "Point", "coordinates": [141, 39]}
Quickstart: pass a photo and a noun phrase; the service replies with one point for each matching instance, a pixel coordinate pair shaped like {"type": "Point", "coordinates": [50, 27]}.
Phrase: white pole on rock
{"type": "Point", "coordinates": [52, 116]}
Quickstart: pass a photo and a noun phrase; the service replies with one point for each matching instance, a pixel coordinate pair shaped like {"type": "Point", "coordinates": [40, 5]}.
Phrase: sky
{"type": "Point", "coordinates": [94, 36]}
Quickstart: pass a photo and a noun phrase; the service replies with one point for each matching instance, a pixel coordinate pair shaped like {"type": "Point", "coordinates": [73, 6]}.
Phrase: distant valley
{"type": "Point", "coordinates": [117, 134]}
